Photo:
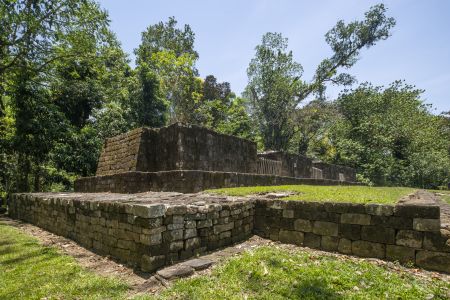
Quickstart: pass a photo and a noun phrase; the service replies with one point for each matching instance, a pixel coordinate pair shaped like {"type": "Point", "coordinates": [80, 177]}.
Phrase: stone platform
{"type": "Point", "coordinates": [186, 181]}
{"type": "Point", "coordinates": [150, 230]}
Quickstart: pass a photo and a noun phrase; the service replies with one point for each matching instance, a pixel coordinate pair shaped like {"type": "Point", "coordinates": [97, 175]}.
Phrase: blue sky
{"type": "Point", "coordinates": [228, 31]}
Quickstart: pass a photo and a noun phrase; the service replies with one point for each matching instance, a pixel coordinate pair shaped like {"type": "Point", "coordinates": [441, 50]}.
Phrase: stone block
{"type": "Point", "coordinates": [368, 249]}
{"type": "Point", "coordinates": [173, 235]}
{"type": "Point", "coordinates": [433, 260]}
{"type": "Point", "coordinates": [417, 211]}
{"type": "Point", "coordinates": [177, 271]}
{"type": "Point", "coordinates": [192, 243]}
{"type": "Point", "coordinates": [359, 219]}
{"type": "Point", "coordinates": [378, 234]}
{"type": "Point", "coordinates": [379, 209]}
{"type": "Point", "coordinates": [325, 228]}
{"type": "Point", "coordinates": [288, 213]}
{"type": "Point", "coordinates": [437, 241]}
{"type": "Point", "coordinates": [189, 233]}
{"type": "Point", "coordinates": [176, 246]}
{"type": "Point", "coordinates": [392, 222]}
{"type": "Point", "coordinates": [199, 263]}
{"type": "Point", "coordinates": [223, 227]}
{"type": "Point", "coordinates": [291, 237]}
{"type": "Point", "coordinates": [345, 246]}
{"type": "Point", "coordinates": [149, 211]}
{"type": "Point", "coordinates": [329, 243]}
{"type": "Point", "coordinates": [409, 238]}
{"type": "Point", "coordinates": [150, 239]}
{"type": "Point", "coordinates": [400, 253]}
{"type": "Point", "coordinates": [151, 263]}
{"type": "Point", "coordinates": [204, 223]}
{"type": "Point", "coordinates": [350, 231]}
{"type": "Point", "coordinates": [302, 225]}
{"type": "Point", "coordinates": [426, 224]}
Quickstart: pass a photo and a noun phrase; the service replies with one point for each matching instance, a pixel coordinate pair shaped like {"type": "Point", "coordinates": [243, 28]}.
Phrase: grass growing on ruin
{"type": "Point", "coordinates": [31, 271]}
{"type": "Point", "coordinates": [353, 194]}
{"type": "Point", "coordinates": [273, 273]}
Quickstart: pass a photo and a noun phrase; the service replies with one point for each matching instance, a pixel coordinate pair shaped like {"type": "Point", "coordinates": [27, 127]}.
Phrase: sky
{"type": "Point", "coordinates": [226, 33]}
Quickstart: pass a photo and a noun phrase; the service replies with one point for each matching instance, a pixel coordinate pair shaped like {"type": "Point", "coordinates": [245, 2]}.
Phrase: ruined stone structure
{"type": "Point", "coordinates": [151, 230]}
{"type": "Point", "coordinates": [189, 158]}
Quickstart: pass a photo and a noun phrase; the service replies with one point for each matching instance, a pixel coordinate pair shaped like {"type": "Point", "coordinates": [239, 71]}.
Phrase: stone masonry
{"type": "Point", "coordinates": [150, 230]}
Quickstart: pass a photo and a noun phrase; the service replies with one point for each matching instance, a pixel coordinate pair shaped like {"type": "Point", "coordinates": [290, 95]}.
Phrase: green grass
{"type": "Point", "coordinates": [353, 194]}
{"type": "Point", "coordinates": [270, 273]}
{"type": "Point", "coordinates": [31, 271]}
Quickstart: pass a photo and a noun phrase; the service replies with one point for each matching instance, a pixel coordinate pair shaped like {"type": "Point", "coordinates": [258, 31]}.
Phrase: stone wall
{"type": "Point", "coordinates": [331, 171]}
{"type": "Point", "coordinates": [292, 165]}
{"type": "Point", "coordinates": [150, 230]}
{"type": "Point", "coordinates": [139, 230]}
{"type": "Point", "coordinates": [404, 233]}
{"type": "Point", "coordinates": [185, 181]}
{"type": "Point", "coordinates": [119, 153]}
{"type": "Point", "coordinates": [176, 147]}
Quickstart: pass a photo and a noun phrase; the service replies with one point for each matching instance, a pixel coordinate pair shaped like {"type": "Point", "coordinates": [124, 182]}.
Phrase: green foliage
{"type": "Point", "coordinates": [350, 194]}
{"type": "Point", "coordinates": [390, 136]}
{"type": "Point", "coordinates": [31, 271]}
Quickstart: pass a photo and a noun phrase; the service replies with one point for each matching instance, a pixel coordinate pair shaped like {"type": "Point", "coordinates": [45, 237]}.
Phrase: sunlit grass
{"type": "Point", "coordinates": [353, 194]}
{"type": "Point", "coordinates": [29, 270]}
{"type": "Point", "coordinates": [272, 273]}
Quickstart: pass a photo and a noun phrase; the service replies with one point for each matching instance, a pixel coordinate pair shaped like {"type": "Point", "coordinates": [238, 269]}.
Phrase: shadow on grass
{"type": "Point", "coordinates": [315, 289]}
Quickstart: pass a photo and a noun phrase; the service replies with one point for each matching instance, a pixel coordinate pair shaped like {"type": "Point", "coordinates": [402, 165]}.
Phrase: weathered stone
{"type": "Point", "coordinates": [350, 231]}
{"type": "Point", "coordinates": [368, 249]}
{"type": "Point", "coordinates": [150, 239]}
{"type": "Point", "coordinates": [151, 263]}
{"type": "Point", "coordinates": [288, 213]}
{"type": "Point", "coordinates": [379, 209]}
{"type": "Point", "coordinates": [400, 253]}
{"type": "Point", "coordinates": [177, 271]}
{"type": "Point", "coordinates": [417, 211]}
{"type": "Point", "coordinates": [175, 246]}
{"type": "Point", "coordinates": [426, 224]}
{"type": "Point", "coordinates": [173, 235]}
{"type": "Point", "coordinates": [378, 234]}
{"type": "Point", "coordinates": [409, 238]}
{"type": "Point", "coordinates": [359, 219]}
{"type": "Point", "coordinates": [149, 210]}
{"type": "Point", "coordinates": [392, 222]}
{"type": "Point", "coordinates": [311, 240]}
{"type": "Point", "coordinates": [223, 227]}
{"type": "Point", "coordinates": [193, 243]}
{"type": "Point", "coordinates": [325, 228]}
{"type": "Point", "coordinates": [433, 260]}
{"type": "Point", "coordinates": [204, 223]}
{"type": "Point", "coordinates": [329, 243]}
{"type": "Point", "coordinates": [291, 237]}
{"type": "Point", "coordinates": [302, 225]}
{"type": "Point", "coordinates": [188, 233]}
{"type": "Point", "coordinates": [199, 263]}
{"type": "Point", "coordinates": [345, 246]}
{"type": "Point", "coordinates": [436, 241]}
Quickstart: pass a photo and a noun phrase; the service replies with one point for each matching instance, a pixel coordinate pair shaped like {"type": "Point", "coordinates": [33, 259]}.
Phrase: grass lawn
{"type": "Point", "coordinates": [354, 194]}
{"type": "Point", "coordinates": [271, 273]}
{"type": "Point", "coordinates": [31, 271]}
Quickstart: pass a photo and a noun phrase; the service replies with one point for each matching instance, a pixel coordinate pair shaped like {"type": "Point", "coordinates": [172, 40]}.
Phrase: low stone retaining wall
{"type": "Point", "coordinates": [150, 230]}
{"type": "Point", "coordinates": [404, 233]}
{"type": "Point", "coordinates": [147, 231]}
{"type": "Point", "coordinates": [186, 181]}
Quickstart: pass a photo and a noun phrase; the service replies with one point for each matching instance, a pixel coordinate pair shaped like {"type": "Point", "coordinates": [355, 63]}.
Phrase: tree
{"type": "Point", "coordinates": [169, 53]}
{"type": "Point", "coordinates": [275, 87]}
{"type": "Point", "coordinates": [273, 84]}
{"type": "Point", "coordinates": [390, 136]}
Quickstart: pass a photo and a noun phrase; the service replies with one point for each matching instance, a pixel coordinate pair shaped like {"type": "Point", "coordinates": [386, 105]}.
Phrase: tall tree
{"type": "Point", "coordinates": [169, 52]}
{"type": "Point", "coordinates": [275, 88]}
